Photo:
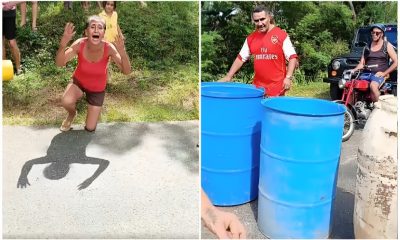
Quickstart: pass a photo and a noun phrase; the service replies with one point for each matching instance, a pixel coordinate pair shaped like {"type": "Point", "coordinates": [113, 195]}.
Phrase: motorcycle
{"type": "Point", "coordinates": [356, 97]}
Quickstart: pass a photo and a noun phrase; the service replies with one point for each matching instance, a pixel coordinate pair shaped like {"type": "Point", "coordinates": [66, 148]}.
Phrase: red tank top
{"type": "Point", "coordinates": [92, 76]}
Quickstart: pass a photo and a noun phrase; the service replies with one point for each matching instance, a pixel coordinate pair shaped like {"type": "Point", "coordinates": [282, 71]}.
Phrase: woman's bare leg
{"type": "Point", "coordinates": [71, 95]}
{"type": "Point", "coordinates": [93, 114]}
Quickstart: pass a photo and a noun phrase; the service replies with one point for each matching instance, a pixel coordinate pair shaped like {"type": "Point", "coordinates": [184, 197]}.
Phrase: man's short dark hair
{"type": "Point", "coordinates": [261, 8]}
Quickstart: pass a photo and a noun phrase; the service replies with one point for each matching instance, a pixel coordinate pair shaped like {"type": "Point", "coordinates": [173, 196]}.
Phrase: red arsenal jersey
{"type": "Point", "coordinates": [270, 51]}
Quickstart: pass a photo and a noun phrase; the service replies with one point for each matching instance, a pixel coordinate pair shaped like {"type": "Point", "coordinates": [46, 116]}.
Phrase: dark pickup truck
{"type": "Point", "coordinates": [362, 37]}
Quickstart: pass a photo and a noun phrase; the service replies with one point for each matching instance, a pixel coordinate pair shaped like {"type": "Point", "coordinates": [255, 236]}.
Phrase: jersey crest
{"type": "Point", "coordinates": [274, 39]}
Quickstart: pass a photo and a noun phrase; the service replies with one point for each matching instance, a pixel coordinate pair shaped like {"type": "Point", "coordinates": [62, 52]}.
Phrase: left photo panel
{"type": "Point", "coordinates": [100, 119]}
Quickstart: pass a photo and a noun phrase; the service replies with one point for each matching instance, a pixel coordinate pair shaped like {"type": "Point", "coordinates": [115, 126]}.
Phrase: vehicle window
{"type": "Point", "coordinates": [364, 35]}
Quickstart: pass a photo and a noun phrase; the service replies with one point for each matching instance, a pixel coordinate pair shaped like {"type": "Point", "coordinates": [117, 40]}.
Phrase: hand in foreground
{"type": "Point", "coordinates": [224, 224]}
{"type": "Point", "coordinates": [68, 34]}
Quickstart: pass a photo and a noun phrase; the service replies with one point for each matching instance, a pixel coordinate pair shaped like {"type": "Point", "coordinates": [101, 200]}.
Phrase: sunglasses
{"type": "Point", "coordinates": [259, 20]}
{"type": "Point", "coordinates": [376, 33]}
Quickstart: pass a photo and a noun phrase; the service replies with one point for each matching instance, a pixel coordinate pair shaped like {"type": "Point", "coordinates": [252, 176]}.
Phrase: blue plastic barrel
{"type": "Point", "coordinates": [300, 150]}
{"type": "Point", "coordinates": [230, 142]}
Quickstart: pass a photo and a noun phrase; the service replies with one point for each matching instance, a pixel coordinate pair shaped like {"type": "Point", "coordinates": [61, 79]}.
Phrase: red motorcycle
{"type": "Point", "coordinates": [356, 98]}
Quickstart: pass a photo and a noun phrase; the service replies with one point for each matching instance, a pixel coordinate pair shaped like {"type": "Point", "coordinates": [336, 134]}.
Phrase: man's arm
{"type": "Point", "coordinates": [287, 82]}
{"type": "Point", "coordinates": [393, 56]}
{"type": "Point", "coordinates": [361, 63]}
{"type": "Point", "coordinates": [243, 56]}
{"type": "Point", "coordinates": [237, 64]}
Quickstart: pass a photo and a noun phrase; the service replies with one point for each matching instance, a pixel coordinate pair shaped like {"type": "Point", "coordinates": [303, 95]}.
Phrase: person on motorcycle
{"type": "Point", "coordinates": [378, 53]}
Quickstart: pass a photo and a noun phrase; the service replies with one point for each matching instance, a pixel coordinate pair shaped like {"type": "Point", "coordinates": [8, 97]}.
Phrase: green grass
{"type": "Point", "coordinates": [142, 96]}
{"type": "Point", "coordinates": [312, 89]}
{"type": "Point", "coordinates": [145, 96]}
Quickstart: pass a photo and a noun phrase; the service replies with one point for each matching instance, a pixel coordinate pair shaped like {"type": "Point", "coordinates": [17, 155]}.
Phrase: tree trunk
{"type": "Point", "coordinates": [353, 12]}
{"type": "Point", "coordinates": [143, 3]}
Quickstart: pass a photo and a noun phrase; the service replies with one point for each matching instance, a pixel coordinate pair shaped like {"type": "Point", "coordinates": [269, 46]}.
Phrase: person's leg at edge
{"type": "Point", "coordinates": [375, 91]}
{"type": "Point", "coordinates": [93, 114]}
{"type": "Point", "coordinates": [23, 14]}
{"type": "Point", "coordinates": [71, 95]}
{"type": "Point", "coordinates": [34, 15]}
{"type": "Point", "coordinates": [4, 48]}
{"type": "Point", "coordinates": [16, 53]}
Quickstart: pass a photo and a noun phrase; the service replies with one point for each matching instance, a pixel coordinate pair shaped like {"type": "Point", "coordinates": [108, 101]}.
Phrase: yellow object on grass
{"type": "Point", "coordinates": [8, 70]}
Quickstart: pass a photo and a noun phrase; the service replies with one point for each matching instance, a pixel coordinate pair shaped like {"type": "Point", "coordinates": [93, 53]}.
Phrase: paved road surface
{"type": "Point", "coordinates": [344, 203]}
{"type": "Point", "coordinates": [146, 185]}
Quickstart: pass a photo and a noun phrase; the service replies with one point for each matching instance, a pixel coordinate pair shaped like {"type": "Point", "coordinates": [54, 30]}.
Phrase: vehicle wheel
{"type": "Point", "coordinates": [349, 125]}
{"type": "Point", "coordinates": [335, 92]}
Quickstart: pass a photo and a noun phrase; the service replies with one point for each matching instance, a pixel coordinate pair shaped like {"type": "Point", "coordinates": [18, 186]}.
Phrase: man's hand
{"type": "Point", "coordinates": [68, 34]}
{"type": "Point", "coordinates": [287, 82]}
{"type": "Point", "coordinates": [380, 74]}
{"type": "Point", "coordinates": [225, 79]}
{"type": "Point", "coordinates": [224, 224]}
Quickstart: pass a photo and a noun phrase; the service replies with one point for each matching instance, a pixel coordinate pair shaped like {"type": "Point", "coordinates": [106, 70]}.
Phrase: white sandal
{"type": "Point", "coordinates": [66, 125]}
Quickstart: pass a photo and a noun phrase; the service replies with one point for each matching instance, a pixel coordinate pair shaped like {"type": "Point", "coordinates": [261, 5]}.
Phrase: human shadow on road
{"type": "Point", "coordinates": [65, 148]}
{"type": "Point", "coordinates": [119, 138]}
{"type": "Point", "coordinates": [180, 143]}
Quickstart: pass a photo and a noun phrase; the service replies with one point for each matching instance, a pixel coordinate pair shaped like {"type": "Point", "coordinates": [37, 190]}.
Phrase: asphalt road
{"type": "Point", "coordinates": [342, 226]}
{"type": "Point", "coordinates": [126, 180]}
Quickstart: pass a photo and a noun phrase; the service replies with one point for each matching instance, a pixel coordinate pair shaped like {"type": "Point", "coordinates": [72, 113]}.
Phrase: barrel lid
{"type": "Point", "coordinates": [230, 90]}
{"type": "Point", "coordinates": [304, 106]}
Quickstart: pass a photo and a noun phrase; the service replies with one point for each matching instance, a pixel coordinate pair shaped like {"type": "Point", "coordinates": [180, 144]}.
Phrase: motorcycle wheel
{"type": "Point", "coordinates": [349, 125]}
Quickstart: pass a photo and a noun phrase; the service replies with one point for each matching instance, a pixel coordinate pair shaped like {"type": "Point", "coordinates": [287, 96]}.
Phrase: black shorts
{"type": "Point", "coordinates": [93, 98]}
{"type": "Point", "coordinates": [9, 27]}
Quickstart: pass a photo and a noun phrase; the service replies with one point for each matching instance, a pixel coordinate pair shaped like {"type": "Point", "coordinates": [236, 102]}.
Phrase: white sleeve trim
{"type": "Point", "coordinates": [245, 52]}
{"type": "Point", "coordinates": [288, 48]}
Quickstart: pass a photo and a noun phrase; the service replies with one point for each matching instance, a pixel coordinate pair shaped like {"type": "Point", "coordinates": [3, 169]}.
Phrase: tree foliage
{"type": "Point", "coordinates": [318, 30]}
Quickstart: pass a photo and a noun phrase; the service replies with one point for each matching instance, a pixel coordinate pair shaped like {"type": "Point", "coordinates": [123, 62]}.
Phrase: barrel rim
{"type": "Point", "coordinates": [294, 111]}
{"type": "Point", "coordinates": [255, 92]}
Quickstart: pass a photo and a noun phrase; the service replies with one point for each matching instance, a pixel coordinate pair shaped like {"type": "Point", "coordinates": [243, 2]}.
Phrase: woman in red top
{"type": "Point", "coordinates": [90, 76]}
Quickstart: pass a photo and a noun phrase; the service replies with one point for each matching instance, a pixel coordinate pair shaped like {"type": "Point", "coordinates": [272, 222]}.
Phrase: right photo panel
{"type": "Point", "coordinates": [298, 120]}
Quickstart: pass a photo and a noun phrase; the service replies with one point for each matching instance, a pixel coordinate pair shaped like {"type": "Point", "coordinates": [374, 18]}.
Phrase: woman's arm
{"type": "Point", "coordinates": [65, 54]}
{"type": "Point", "coordinates": [120, 32]}
{"type": "Point", "coordinates": [119, 55]}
